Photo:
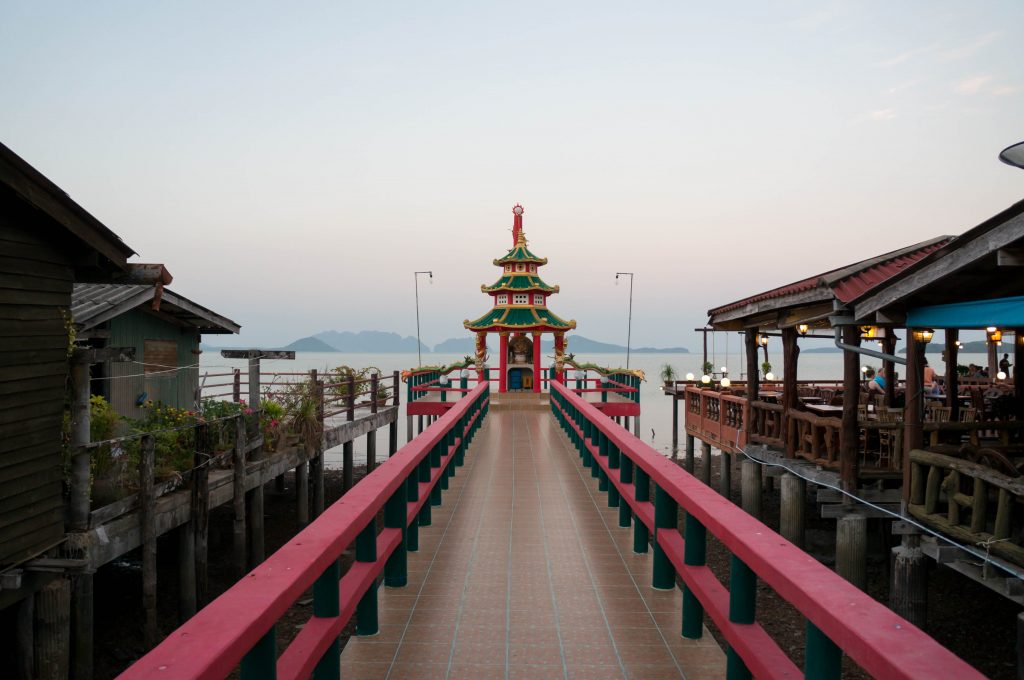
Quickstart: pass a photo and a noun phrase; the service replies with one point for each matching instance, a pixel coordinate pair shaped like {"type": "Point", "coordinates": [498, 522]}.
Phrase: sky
{"type": "Point", "coordinates": [292, 166]}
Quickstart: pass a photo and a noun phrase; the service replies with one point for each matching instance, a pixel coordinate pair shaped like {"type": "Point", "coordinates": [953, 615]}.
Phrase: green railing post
{"type": "Point", "coordinates": [435, 462]}
{"type": "Point", "coordinates": [424, 476]}
{"type": "Point", "coordinates": [260, 663]}
{"type": "Point", "coordinates": [666, 517]}
{"type": "Point", "coordinates": [643, 494]}
{"type": "Point", "coordinates": [601, 441]}
{"type": "Point", "coordinates": [694, 554]}
{"type": "Point", "coordinates": [366, 610]}
{"type": "Point", "coordinates": [396, 568]}
{"type": "Point", "coordinates": [742, 601]}
{"type": "Point", "coordinates": [591, 433]}
{"type": "Point", "coordinates": [613, 464]}
{"type": "Point", "coordinates": [326, 605]}
{"type": "Point", "coordinates": [412, 531]}
{"type": "Point", "coordinates": [446, 445]}
{"type": "Point", "coordinates": [824, 659]}
{"type": "Point", "coordinates": [626, 477]}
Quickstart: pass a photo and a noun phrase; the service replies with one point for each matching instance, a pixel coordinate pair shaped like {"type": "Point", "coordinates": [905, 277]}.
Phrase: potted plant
{"type": "Point", "coordinates": [766, 368]}
{"type": "Point", "coordinates": [668, 374]}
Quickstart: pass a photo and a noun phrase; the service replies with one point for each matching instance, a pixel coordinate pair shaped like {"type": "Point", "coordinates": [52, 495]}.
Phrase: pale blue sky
{"type": "Point", "coordinates": [293, 167]}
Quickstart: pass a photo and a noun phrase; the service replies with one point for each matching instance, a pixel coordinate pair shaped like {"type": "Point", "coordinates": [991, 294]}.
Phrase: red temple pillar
{"type": "Point", "coordinates": [537, 375]}
{"type": "Point", "coordinates": [559, 348]}
{"type": "Point", "coordinates": [503, 362]}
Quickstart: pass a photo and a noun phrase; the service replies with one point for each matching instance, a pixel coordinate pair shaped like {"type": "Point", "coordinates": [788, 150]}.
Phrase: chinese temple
{"type": "Point", "coordinates": [520, 315]}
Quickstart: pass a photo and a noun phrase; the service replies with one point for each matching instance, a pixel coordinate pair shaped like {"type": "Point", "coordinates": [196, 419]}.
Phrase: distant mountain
{"type": "Point", "coordinates": [820, 350]}
{"type": "Point", "coordinates": [465, 345]}
{"type": "Point", "coordinates": [310, 344]}
{"type": "Point", "coordinates": [973, 347]}
{"type": "Point", "coordinates": [369, 341]}
{"type": "Point", "coordinates": [577, 344]}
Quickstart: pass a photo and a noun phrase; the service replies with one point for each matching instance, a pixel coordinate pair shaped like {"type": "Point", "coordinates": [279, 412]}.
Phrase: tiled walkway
{"type": "Point", "coordinates": [526, 574]}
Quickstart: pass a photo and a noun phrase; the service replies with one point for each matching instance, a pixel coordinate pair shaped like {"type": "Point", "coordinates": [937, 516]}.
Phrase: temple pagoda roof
{"type": "Point", "coordinates": [520, 253]}
{"type": "Point", "coordinates": [519, 282]}
{"type": "Point", "coordinates": [519, 318]}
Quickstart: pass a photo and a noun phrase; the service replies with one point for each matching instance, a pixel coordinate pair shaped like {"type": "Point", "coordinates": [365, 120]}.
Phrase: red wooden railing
{"type": "Point", "coordinates": [840, 618]}
{"type": "Point", "coordinates": [238, 627]}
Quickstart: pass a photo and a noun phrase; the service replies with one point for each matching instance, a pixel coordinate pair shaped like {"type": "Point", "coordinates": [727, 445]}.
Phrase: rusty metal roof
{"type": "Point", "coordinates": [94, 303]}
{"type": "Point", "coordinates": [845, 283]}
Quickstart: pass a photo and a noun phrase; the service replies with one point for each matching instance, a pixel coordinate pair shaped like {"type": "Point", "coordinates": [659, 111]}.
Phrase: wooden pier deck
{"type": "Point", "coordinates": [524, 573]}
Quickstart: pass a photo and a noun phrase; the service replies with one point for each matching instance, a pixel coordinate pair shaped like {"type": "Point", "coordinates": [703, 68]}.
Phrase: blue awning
{"type": "Point", "coordinates": [1002, 312]}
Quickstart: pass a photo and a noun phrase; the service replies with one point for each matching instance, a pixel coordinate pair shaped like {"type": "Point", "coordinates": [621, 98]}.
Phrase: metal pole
{"type": "Point", "coordinates": [416, 278]}
{"type": "Point", "coordinates": [629, 324]}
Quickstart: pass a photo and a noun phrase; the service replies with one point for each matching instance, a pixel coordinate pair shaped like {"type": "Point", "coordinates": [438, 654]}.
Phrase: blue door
{"type": "Point", "coordinates": [515, 379]}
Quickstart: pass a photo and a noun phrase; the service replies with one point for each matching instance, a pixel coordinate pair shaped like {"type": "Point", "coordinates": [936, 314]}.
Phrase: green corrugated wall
{"type": "Point", "coordinates": [176, 389]}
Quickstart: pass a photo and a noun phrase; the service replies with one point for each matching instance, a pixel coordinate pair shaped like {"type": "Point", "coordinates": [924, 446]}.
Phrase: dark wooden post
{"type": "Point", "coordinates": [848, 449]}
{"type": "Point", "coordinates": [348, 474]}
{"type": "Point", "coordinates": [371, 436]}
{"type": "Point", "coordinates": [201, 516]}
{"type": "Point", "coordinates": [52, 630]}
{"type": "Point", "coordinates": [256, 529]}
{"type": "Point", "coordinates": [952, 377]}
{"type": "Point", "coordinates": [753, 379]}
{"type": "Point", "coordinates": [147, 522]}
{"type": "Point", "coordinates": [238, 496]}
{"type": "Point", "coordinates": [913, 434]}
{"type": "Point", "coordinates": [236, 388]}
{"type": "Point", "coordinates": [393, 426]}
{"type": "Point", "coordinates": [318, 455]}
{"type": "Point", "coordinates": [889, 347]}
{"type": "Point", "coordinates": [790, 358]}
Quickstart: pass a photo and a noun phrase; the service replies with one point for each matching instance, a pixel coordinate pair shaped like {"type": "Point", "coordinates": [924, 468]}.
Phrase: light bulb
{"type": "Point", "coordinates": [863, 369]}
{"type": "Point", "coordinates": [705, 378]}
{"type": "Point", "coordinates": [769, 376]}
{"type": "Point", "coordinates": [1001, 375]}
{"type": "Point", "coordinates": [689, 376]}
{"type": "Point", "coordinates": [725, 369]}
{"type": "Point", "coordinates": [726, 382]}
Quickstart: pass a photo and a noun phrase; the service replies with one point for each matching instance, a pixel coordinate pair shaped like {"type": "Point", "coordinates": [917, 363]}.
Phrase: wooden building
{"type": "Point", "coordinates": [47, 243]}
{"type": "Point", "coordinates": [163, 328]}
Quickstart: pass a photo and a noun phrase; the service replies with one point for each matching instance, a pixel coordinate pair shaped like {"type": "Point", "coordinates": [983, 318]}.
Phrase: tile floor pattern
{"type": "Point", "coordinates": [525, 573]}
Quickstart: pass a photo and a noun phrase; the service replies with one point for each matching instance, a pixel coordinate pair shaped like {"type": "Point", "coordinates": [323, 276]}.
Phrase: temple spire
{"type": "Point", "coordinates": [517, 224]}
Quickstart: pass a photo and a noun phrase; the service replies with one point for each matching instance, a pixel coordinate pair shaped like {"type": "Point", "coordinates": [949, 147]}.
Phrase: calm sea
{"type": "Point", "coordinates": [656, 408]}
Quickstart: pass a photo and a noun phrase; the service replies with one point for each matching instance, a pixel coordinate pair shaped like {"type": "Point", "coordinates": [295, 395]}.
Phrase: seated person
{"type": "Point", "coordinates": [877, 385]}
{"type": "Point", "coordinates": [931, 385]}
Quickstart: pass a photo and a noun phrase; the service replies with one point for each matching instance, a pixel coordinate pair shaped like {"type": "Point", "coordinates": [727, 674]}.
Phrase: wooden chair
{"type": "Point", "coordinates": [887, 438]}
{"type": "Point", "coordinates": [827, 395]}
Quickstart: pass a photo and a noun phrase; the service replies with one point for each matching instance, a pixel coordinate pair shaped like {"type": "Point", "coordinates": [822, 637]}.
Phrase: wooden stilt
{"type": "Point", "coordinates": [793, 508]}
{"type": "Point", "coordinates": [675, 424]}
{"type": "Point", "coordinates": [24, 639]}
{"type": "Point", "coordinates": [186, 572]}
{"type": "Point", "coordinates": [201, 515]}
{"type": "Point", "coordinates": [909, 592]}
{"type": "Point", "coordinates": [725, 474]}
{"type": "Point", "coordinates": [750, 481]}
{"type": "Point", "coordinates": [279, 485]}
{"type": "Point", "coordinates": [705, 464]}
{"type": "Point", "coordinates": [317, 465]}
{"type": "Point", "coordinates": [147, 522]}
{"type": "Point", "coordinates": [852, 548]}
{"type": "Point", "coordinates": [689, 462]}
{"type": "Point", "coordinates": [52, 630]}
{"type": "Point", "coordinates": [302, 494]}
{"type": "Point", "coordinates": [371, 450]}
{"type": "Point", "coordinates": [82, 616]}
{"type": "Point", "coordinates": [239, 498]}
{"type": "Point", "coordinates": [408, 429]}
{"type": "Point", "coordinates": [392, 438]}
{"type": "Point", "coordinates": [256, 527]}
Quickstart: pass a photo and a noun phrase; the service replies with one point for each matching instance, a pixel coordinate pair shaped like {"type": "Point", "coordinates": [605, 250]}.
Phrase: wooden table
{"type": "Point", "coordinates": [825, 409]}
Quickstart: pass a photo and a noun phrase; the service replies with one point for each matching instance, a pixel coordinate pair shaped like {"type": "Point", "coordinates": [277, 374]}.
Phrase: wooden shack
{"type": "Point", "coordinates": [163, 327]}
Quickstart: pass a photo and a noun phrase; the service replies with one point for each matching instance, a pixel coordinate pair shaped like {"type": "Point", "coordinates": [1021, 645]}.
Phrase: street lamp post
{"type": "Point", "coordinates": [416, 278]}
{"type": "Point", "coordinates": [629, 324]}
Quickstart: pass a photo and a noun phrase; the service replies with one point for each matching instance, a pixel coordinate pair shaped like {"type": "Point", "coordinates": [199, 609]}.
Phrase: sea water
{"type": "Point", "coordinates": [656, 407]}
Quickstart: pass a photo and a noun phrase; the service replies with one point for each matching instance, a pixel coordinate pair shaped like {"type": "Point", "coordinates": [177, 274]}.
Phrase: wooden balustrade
{"type": "Point", "coordinates": [766, 424]}
{"type": "Point", "coordinates": [969, 501]}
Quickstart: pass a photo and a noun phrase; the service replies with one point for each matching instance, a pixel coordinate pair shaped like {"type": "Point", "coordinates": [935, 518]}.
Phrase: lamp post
{"type": "Point", "coordinates": [629, 323]}
{"type": "Point", "coordinates": [416, 278]}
